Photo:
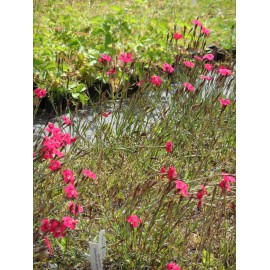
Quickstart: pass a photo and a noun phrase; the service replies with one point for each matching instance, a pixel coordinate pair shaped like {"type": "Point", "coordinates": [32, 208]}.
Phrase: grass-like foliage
{"type": "Point", "coordinates": [152, 162]}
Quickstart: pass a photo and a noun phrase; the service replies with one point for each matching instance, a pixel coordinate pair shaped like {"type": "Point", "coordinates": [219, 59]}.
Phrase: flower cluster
{"type": "Point", "coordinates": [54, 141]}
{"type": "Point", "coordinates": [58, 228]}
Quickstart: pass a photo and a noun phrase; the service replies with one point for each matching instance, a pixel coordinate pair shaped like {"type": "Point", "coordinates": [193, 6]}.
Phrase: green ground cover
{"type": "Point", "coordinates": [70, 36]}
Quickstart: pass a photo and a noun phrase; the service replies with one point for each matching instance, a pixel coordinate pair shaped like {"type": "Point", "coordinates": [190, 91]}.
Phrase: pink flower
{"type": "Point", "coordinates": [197, 22]}
{"type": "Point", "coordinates": [69, 222]}
{"type": "Point", "coordinates": [167, 68]}
{"type": "Point", "coordinates": [58, 153]}
{"type": "Point", "coordinates": [173, 266]}
{"type": "Point", "coordinates": [189, 86]}
{"type": "Point", "coordinates": [208, 67]}
{"type": "Point", "coordinates": [224, 71]}
{"type": "Point", "coordinates": [183, 187]}
{"type": "Point", "coordinates": [139, 84]}
{"type": "Point", "coordinates": [177, 36]}
{"type": "Point", "coordinates": [34, 154]}
{"type": "Point", "coordinates": [134, 220]}
{"type": "Point", "coordinates": [53, 226]}
{"type": "Point", "coordinates": [200, 195]}
{"type": "Point", "coordinates": [66, 120]}
{"type": "Point", "coordinates": [47, 153]}
{"type": "Point", "coordinates": [189, 64]}
{"type": "Point", "coordinates": [56, 131]}
{"type": "Point", "coordinates": [156, 80]}
{"type": "Point", "coordinates": [104, 58]}
{"type": "Point", "coordinates": [107, 114]}
{"type": "Point", "coordinates": [50, 127]}
{"type": "Point", "coordinates": [171, 173]}
{"type": "Point", "coordinates": [224, 102]}
{"type": "Point", "coordinates": [45, 225]}
{"type": "Point", "coordinates": [40, 93]}
{"type": "Point", "coordinates": [169, 146]}
{"type": "Point", "coordinates": [73, 140]}
{"type": "Point", "coordinates": [68, 176]}
{"type": "Point", "coordinates": [89, 174]}
{"type": "Point", "coordinates": [162, 172]}
{"type": "Point", "coordinates": [225, 183]}
{"type": "Point", "coordinates": [51, 143]}
{"type": "Point", "coordinates": [198, 58]}
{"type": "Point", "coordinates": [208, 56]}
{"type": "Point", "coordinates": [228, 177]}
{"type": "Point", "coordinates": [48, 244]}
{"type": "Point", "coordinates": [75, 209]}
{"type": "Point", "coordinates": [125, 57]}
{"type": "Point", "coordinates": [55, 165]}
{"type": "Point", "coordinates": [111, 71]}
{"type": "Point", "coordinates": [208, 78]}
{"type": "Point", "coordinates": [58, 229]}
{"type": "Point", "coordinates": [206, 31]}
{"type": "Point", "coordinates": [71, 192]}
{"type": "Point", "coordinates": [67, 139]}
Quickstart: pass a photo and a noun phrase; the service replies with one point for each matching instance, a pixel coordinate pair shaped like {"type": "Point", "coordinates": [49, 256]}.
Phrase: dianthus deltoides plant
{"type": "Point", "coordinates": [160, 181]}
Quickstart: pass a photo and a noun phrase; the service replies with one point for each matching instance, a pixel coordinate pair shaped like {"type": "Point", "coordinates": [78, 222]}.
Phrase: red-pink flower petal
{"type": "Point", "coordinates": [89, 174]}
{"type": "Point", "coordinates": [71, 191]}
{"type": "Point", "coordinates": [134, 220]}
{"type": "Point", "coordinates": [168, 147]}
{"type": "Point", "coordinates": [125, 57]}
{"type": "Point", "coordinates": [189, 86]}
{"type": "Point", "coordinates": [183, 187]}
{"type": "Point", "coordinates": [55, 165]}
{"type": "Point", "coordinates": [48, 244]}
{"type": "Point", "coordinates": [177, 36]}
{"type": "Point", "coordinates": [40, 93]}
{"type": "Point", "coordinates": [156, 80]}
{"type": "Point", "coordinates": [189, 64]}
{"type": "Point", "coordinates": [171, 173]}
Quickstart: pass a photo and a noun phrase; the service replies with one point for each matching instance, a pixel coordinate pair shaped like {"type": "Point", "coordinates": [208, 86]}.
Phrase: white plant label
{"type": "Point", "coordinates": [95, 256]}
{"type": "Point", "coordinates": [98, 252]}
{"type": "Point", "coordinates": [102, 244]}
